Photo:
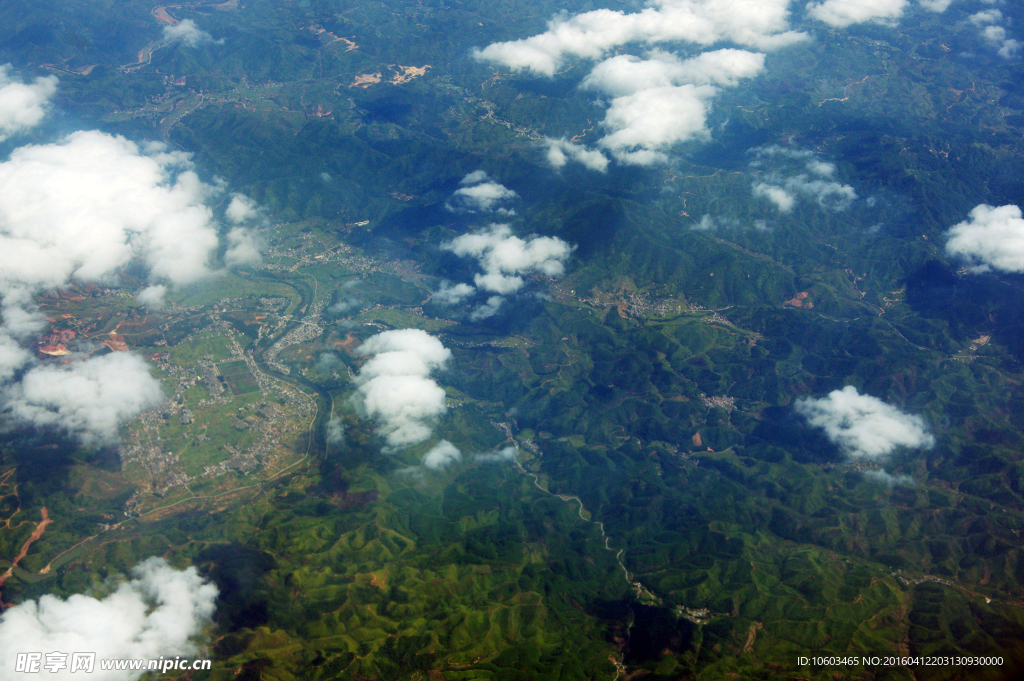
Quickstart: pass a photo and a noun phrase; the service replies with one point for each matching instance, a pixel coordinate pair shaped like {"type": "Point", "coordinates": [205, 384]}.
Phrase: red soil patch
{"type": "Point", "coordinates": [36, 534]}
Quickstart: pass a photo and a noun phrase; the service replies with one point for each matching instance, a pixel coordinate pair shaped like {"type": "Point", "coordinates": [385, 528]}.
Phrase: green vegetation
{"type": "Point", "coordinates": [651, 388]}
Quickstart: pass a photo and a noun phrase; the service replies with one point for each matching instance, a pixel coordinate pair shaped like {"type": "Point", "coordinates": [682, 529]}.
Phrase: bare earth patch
{"type": "Point", "coordinates": [366, 80]}
{"type": "Point", "coordinates": [407, 73]}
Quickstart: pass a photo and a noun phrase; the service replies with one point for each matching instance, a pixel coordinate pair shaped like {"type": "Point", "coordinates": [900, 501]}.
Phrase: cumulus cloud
{"type": "Point", "coordinates": [152, 296]}
{"type": "Point", "coordinates": [643, 123]}
{"type": "Point", "coordinates": [864, 426]}
{"type": "Point", "coordinates": [784, 185]}
{"type": "Point", "coordinates": [447, 294]}
{"type": "Point", "coordinates": [627, 74]}
{"type": "Point", "coordinates": [761, 24]}
{"type": "Point", "coordinates": [985, 17]}
{"type": "Point", "coordinates": [349, 298]}
{"type": "Point", "coordinates": [988, 21]}
{"type": "Point", "coordinates": [503, 455]}
{"type": "Point", "coordinates": [335, 431]}
{"type": "Point", "coordinates": [441, 455]}
{"type": "Point", "coordinates": [993, 238]}
{"type": "Point", "coordinates": [90, 398]}
{"type": "Point", "coordinates": [663, 100]}
{"type": "Point", "coordinates": [327, 362]}
{"type": "Point", "coordinates": [889, 479]}
{"type": "Point", "coordinates": [189, 34]}
{"type": "Point", "coordinates": [842, 13]}
{"type": "Point", "coordinates": [23, 105]}
{"type": "Point", "coordinates": [938, 5]}
{"type": "Point", "coordinates": [830, 195]}
{"type": "Point", "coordinates": [395, 388]}
{"type": "Point", "coordinates": [782, 199]}
{"type": "Point", "coordinates": [243, 248]}
{"type": "Point", "coordinates": [488, 309]}
{"type": "Point", "coordinates": [709, 223]}
{"type": "Point", "coordinates": [475, 177]}
{"type": "Point", "coordinates": [1007, 48]}
{"type": "Point", "coordinates": [505, 257]}
{"type": "Point", "coordinates": [159, 612]}
{"type": "Point", "coordinates": [561, 151]}
{"type": "Point", "coordinates": [241, 209]}
{"type": "Point", "coordinates": [660, 101]}
{"type": "Point", "coordinates": [80, 210]}
{"type": "Point", "coordinates": [479, 193]}
{"type": "Point", "coordinates": [12, 357]}
{"type": "Point", "coordinates": [20, 319]}
{"type": "Point", "coordinates": [821, 168]}
{"type": "Point", "coordinates": [243, 244]}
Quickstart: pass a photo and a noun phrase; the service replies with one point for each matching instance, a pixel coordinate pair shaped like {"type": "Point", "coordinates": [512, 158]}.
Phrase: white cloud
{"type": "Point", "coordinates": [785, 185]}
{"type": "Point", "coordinates": [660, 101]}
{"type": "Point", "coordinates": [479, 193]}
{"type": "Point", "coordinates": [441, 455]}
{"type": "Point", "coordinates": [663, 100]}
{"type": "Point", "coordinates": [89, 398]}
{"type": "Point", "coordinates": [988, 16]}
{"type": "Point", "coordinates": [889, 479]}
{"type": "Point", "coordinates": [452, 295]}
{"type": "Point", "coordinates": [994, 34]}
{"type": "Point", "coordinates": [20, 319]}
{"type": "Point", "coordinates": [475, 177]}
{"type": "Point", "coordinates": [1007, 48]}
{"type": "Point", "coordinates": [993, 238]}
{"type": "Point", "coordinates": [504, 257]}
{"type": "Point", "coordinates": [782, 199]}
{"type": "Point", "coordinates": [561, 151]}
{"type": "Point", "coordinates": [243, 245]}
{"type": "Point", "coordinates": [327, 363]}
{"type": "Point", "coordinates": [842, 13]}
{"type": "Point", "coordinates": [821, 168]}
{"type": "Point", "coordinates": [706, 224]}
{"type": "Point", "coordinates": [503, 455]}
{"type": "Point", "coordinates": [335, 431]}
{"type": "Point", "coordinates": [350, 299]}
{"type": "Point", "coordinates": [938, 5]}
{"type": "Point", "coordinates": [761, 24]}
{"type": "Point", "coordinates": [395, 388]}
{"type": "Point", "coordinates": [160, 612]}
{"type": "Point", "coordinates": [709, 222]}
{"type": "Point", "coordinates": [23, 105]}
{"type": "Point", "coordinates": [12, 357]}
{"type": "Point", "coordinates": [777, 150]}
{"type": "Point", "coordinates": [829, 195]}
{"type": "Point", "coordinates": [863, 426]}
{"type": "Point", "coordinates": [484, 197]}
{"type": "Point", "coordinates": [152, 296]}
{"type": "Point", "coordinates": [487, 309]}
{"type": "Point", "coordinates": [241, 209]}
{"type": "Point", "coordinates": [189, 34]}
{"type": "Point", "coordinates": [243, 248]}
{"type": "Point", "coordinates": [627, 74]}
{"type": "Point", "coordinates": [83, 208]}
